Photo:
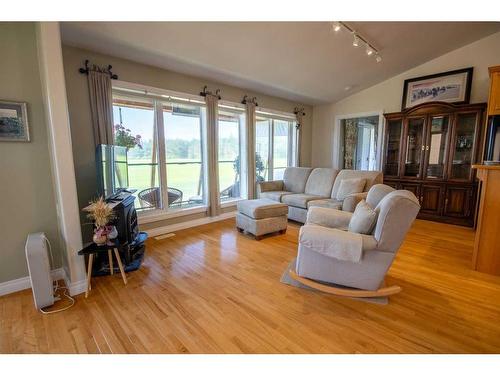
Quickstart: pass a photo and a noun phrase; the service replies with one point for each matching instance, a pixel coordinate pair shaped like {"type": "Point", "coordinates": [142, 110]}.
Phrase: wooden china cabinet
{"type": "Point", "coordinates": [429, 150]}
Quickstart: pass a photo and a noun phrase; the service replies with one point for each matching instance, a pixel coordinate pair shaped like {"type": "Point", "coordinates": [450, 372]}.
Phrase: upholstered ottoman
{"type": "Point", "coordinates": [261, 216]}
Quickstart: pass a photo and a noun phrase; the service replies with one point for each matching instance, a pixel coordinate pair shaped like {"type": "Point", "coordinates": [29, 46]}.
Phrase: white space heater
{"type": "Point", "coordinates": [37, 256]}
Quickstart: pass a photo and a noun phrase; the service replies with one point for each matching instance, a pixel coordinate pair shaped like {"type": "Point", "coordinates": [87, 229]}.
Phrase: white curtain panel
{"type": "Point", "coordinates": [250, 116]}
{"type": "Point", "coordinates": [212, 102]}
{"type": "Point", "coordinates": [101, 105]}
{"type": "Point", "coordinates": [299, 115]}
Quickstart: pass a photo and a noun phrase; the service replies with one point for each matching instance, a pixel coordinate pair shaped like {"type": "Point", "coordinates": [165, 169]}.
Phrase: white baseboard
{"type": "Point", "coordinates": [188, 224]}
{"type": "Point", "coordinates": [22, 283]}
{"type": "Point", "coordinates": [78, 287]}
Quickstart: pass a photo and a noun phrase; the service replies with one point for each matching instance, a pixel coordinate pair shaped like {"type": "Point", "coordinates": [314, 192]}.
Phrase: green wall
{"type": "Point", "coordinates": [27, 197]}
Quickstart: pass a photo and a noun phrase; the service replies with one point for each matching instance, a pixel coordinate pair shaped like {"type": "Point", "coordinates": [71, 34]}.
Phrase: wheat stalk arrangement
{"type": "Point", "coordinates": [100, 212]}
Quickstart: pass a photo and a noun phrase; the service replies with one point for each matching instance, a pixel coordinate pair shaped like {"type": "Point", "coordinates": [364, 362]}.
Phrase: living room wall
{"type": "Point", "coordinates": [80, 117]}
{"type": "Point", "coordinates": [387, 95]}
{"type": "Point", "coordinates": [27, 196]}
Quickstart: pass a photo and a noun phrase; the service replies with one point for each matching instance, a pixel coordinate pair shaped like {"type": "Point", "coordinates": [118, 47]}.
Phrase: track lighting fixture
{"type": "Point", "coordinates": [358, 39]}
{"type": "Point", "coordinates": [355, 41]}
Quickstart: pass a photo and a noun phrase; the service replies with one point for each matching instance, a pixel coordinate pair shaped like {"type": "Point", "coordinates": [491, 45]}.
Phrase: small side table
{"type": "Point", "coordinates": [92, 249]}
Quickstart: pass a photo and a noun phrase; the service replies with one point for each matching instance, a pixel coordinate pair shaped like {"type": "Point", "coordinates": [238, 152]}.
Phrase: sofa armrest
{"type": "Point", "coordinates": [328, 217]}
{"type": "Point", "coordinates": [351, 201]}
{"type": "Point", "coordinates": [264, 186]}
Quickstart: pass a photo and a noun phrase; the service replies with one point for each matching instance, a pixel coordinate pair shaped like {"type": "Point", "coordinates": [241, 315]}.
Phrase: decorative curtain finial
{"type": "Point", "coordinates": [206, 92]}
{"type": "Point", "coordinates": [299, 113]}
{"type": "Point", "coordinates": [247, 99]}
{"type": "Point", "coordinates": [87, 69]}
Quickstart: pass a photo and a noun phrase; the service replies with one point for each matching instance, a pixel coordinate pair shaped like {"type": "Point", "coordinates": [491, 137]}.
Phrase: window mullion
{"type": "Point", "coordinates": [161, 153]}
{"type": "Point", "coordinates": [289, 152]}
{"type": "Point", "coordinates": [271, 149]}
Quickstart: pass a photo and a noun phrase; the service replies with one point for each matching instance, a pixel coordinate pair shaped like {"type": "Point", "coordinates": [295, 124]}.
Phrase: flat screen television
{"type": "Point", "coordinates": [112, 171]}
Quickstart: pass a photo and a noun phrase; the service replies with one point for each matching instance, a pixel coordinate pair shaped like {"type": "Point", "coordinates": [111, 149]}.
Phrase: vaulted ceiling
{"type": "Point", "coordinates": [301, 61]}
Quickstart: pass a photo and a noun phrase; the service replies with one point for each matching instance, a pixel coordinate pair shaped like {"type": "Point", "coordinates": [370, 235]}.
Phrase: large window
{"type": "Point", "coordinates": [231, 155]}
{"type": "Point", "coordinates": [165, 152]}
{"type": "Point", "coordinates": [135, 129]}
{"type": "Point", "coordinates": [184, 153]}
{"type": "Point", "coordinates": [165, 137]}
{"type": "Point", "coordinates": [275, 139]}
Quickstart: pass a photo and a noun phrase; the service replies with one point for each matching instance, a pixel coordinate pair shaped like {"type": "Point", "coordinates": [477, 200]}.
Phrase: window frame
{"type": "Point", "coordinates": [243, 152]}
{"type": "Point", "coordinates": [159, 97]}
{"type": "Point", "coordinates": [337, 145]}
{"type": "Point", "coordinates": [271, 116]}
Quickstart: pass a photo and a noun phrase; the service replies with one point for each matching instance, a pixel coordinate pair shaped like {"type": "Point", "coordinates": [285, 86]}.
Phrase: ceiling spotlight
{"type": "Point", "coordinates": [355, 41]}
{"type": "Point", "coordinates": [369, 50]}
{"type": "Point", "coordinates": [378, 58]}
{"type": "Point", "coordinates": [336, 26]}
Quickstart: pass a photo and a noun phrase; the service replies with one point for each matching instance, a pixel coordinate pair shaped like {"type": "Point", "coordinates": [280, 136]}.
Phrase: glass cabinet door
{"type": "Point", "coordinates": [435, 147]}
{"type": "Point", "coordinates": [393, 146]}
{"type": "Point", "coordinates": [414, 147]}
{"type": "Point", "coordinates": [463, 146]}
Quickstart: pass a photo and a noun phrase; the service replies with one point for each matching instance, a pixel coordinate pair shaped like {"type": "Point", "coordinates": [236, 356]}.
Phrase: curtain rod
{"type": "Point", "coordinates": [87, 69]}
{"type": "Point", "coordinates": [206, 92]}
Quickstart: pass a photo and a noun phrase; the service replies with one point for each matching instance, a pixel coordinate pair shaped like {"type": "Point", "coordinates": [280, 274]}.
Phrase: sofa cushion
{"type": "Point", "coordinates": [295, 179]}
{"type": "Point", "coordinates": [350, 186]}
{"type": "Point", "coordinates": [274, 195]}
{"type": "Point", "coordinates": [320, 181]}
{"type": "Point", "coordinates": [327, 217]}
{"type": "Point", "coordinates": [262, 208]}
{"type": "Point", "coordinates": [263, 186]}
{"type": "Point", "coordinates": [327, 203]}
{"type": "Point", "coordinates": [351, 201]}
{"type": "Point", "coordinates": [299, 200]}
{"type": "Point", "coordinates": [376, 193]}
{"type": "Point", "coordinates": [363, 219]}
{"type": "Point", "coordinates": [371, 177]}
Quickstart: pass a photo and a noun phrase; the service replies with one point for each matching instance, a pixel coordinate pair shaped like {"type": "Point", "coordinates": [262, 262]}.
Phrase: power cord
{"type": "Point", "coordinates": [56, 285]}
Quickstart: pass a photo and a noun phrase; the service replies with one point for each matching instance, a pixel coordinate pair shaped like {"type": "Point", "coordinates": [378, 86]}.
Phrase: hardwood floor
{"type": "Point", "coordinates": [212, 290]}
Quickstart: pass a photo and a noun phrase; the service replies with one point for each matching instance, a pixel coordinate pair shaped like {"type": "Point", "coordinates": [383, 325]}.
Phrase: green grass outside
{"type": "Point", "coordinates": [184, 177]}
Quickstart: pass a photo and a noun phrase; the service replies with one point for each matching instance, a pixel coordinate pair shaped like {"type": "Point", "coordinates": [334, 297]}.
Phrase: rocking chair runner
{"type": "Point", "coordinates": [397, 209]}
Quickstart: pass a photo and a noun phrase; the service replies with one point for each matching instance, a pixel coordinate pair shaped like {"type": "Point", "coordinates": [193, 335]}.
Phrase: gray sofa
{"type": "Point", "coordinates": [302, 188]}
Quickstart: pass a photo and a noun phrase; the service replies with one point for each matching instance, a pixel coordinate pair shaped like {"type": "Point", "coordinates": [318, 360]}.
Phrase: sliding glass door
{"type": "Point", "coordinates": [135, 129]}
{"type": "Point", "coordinates": [262, 148]}
{"type": "Point", "coordinates": [282, 147]}
{"type": "Point", "coordinates": [165, 149]}
{"type": "Point", "coordinates": [231, 153]}
{"type": "Point", "coordinates": [166, 144]}
{"type": "Point", "coordinates": [184, 156]}
{"type": "Point", "coordinates": [275, 139]}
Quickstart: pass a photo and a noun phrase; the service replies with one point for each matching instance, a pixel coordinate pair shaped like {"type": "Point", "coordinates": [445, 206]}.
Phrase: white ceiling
{"type": "Point", "coordinates": [300, 61]}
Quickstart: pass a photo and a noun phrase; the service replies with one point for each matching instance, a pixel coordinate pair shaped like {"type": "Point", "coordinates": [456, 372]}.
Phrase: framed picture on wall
{"type": "Point", "coordinates": [450, 87]}
{"type": "Point", "coordinates": [14, 122]}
